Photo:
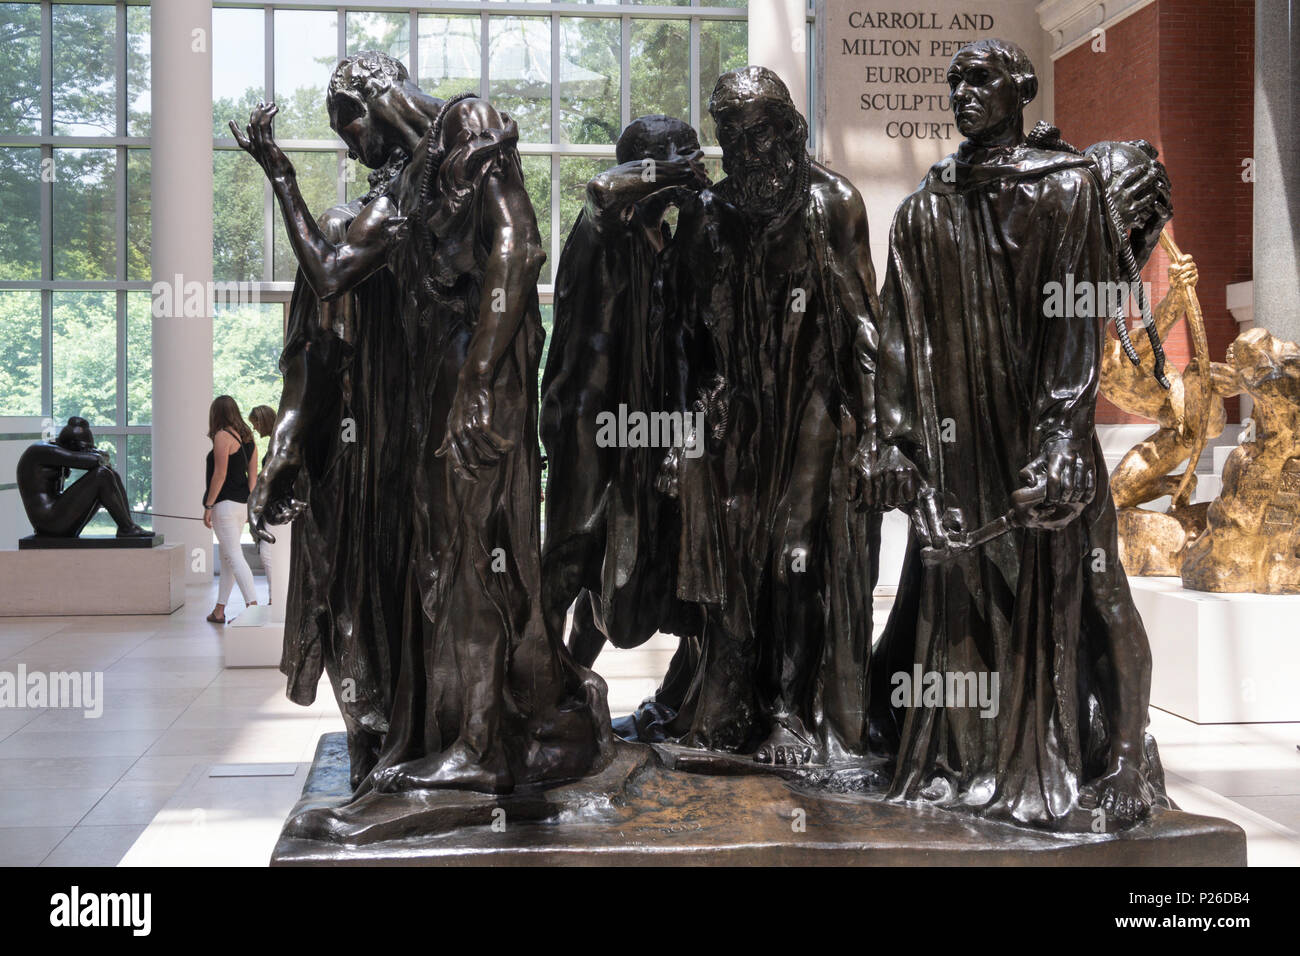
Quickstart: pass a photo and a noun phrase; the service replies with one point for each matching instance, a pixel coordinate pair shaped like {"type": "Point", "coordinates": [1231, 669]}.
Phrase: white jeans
{"type": "Point", "coordinates": [228, 520]}
{"type": "Point", "coordinates": [264, 552]}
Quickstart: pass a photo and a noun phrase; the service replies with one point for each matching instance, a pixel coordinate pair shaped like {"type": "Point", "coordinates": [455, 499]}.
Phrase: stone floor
{"type": "Point", "coordinates": [192, 764]}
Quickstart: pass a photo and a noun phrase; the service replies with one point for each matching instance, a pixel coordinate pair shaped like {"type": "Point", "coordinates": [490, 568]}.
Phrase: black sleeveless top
{"type": "Point", "coordinates": [235, 487]}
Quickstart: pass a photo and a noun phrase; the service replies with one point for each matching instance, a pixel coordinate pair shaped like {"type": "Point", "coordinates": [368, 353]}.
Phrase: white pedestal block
{"type": "Point", "coordinates": [1208, 487]}
{"type": "Point", "coordinates": [68, 581]}
{"type": "Point", "coordinates": [254, 639]}
{"type": "Point", "coordinates": [893, 549]}
{"type": "Point", "coordinates": [1221, 453]}
{"type": "Point", "coordinates": [1221, 658]}
{"type": "Point", "coordinates": [280, 553]}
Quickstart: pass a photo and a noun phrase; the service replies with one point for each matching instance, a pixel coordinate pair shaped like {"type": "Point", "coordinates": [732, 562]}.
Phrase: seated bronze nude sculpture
{"type": "Point", "coordinates": [57, 510]}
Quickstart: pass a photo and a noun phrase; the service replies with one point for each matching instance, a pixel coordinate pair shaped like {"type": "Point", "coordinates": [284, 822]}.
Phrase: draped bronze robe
{"type": "Point", "coordinates": [771, 545]}
{"type": "Point", "coordinates": [460, 652]}
{"type": "Point", "coordinates": [346, 589]}
{"type": "Point", "coordinates": [974, 380]}
{"type": "Point", "coordinates": [607, 350]}
{"type": "Point", "coordinates": [605, 520]}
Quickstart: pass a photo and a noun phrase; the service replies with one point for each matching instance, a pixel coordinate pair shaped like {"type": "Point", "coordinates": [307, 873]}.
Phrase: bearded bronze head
{"type": "Point", "coordinates": [763, 138]}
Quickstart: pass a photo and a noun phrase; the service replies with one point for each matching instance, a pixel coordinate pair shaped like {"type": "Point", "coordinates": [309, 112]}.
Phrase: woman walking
{"type": "Point", "coordinates": [231, 472]}
{"type": "Point", "coordinates": [262, 418]}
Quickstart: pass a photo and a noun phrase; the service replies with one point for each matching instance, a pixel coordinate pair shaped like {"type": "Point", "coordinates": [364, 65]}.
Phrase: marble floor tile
{"type": "Point", "coordinates": [46, 806]}
{"type": "Point", "coordinates": [1283, 809]}
{"type": "Point", "coordinates": [237, 744]}
{"type": "Point", "coordinates": [40, 773]}
{"type": "Point", "coordinates": [129, 804]}
{"type": "Point", "coordinates": [29, 845]}
{"type": "Point", "coordinates": [218, 821]}
{"type": "Point", "coordinates": [170, 770]}
{"type": "Point", "coordinates": [114, 717]}
{"type": "Point", "coordinates": [94, 846]}
{"type": "Point", "coordinates": [77, 743]}
{"type": "Point", "coordinates": [13, 719]}
{"type": "Point", "coordinates": [14, 642]}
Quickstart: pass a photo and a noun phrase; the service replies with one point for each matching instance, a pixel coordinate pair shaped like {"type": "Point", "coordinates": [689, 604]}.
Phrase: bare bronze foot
{"type": "Point", "coordinates": [456, 768]}
{"type": "Point", "coordinates": [787, 746]}
{"type": "Point", "coordinates": [1122, 793]}
{"type": "Point", "coordinates": [938, 790]}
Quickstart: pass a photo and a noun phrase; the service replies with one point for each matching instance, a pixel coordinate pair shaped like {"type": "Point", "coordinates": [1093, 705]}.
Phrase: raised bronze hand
{"type": "Point", "coordinates": [258, 140]}
{"type": "Point", "coordinates": [697, 167]}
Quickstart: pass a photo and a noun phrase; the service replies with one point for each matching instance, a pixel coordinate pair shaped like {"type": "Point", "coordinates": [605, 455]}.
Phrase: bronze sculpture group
{"type": "Point", "coordinates": [778, 405]}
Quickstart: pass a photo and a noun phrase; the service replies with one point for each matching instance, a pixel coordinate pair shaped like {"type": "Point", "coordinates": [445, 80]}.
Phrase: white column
{"type": "Point", "coordinates": [181, 45]}
{"type": "Point", "coordinates": [778, 41]}
{"type": "Point", "coordinates": [1277, 198]}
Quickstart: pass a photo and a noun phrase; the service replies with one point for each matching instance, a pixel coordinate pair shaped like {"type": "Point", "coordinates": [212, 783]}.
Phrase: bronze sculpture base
{"type": "Point", "coordinates": [637, 812]}
{"type": "Point", "coordinates": [44, 542]}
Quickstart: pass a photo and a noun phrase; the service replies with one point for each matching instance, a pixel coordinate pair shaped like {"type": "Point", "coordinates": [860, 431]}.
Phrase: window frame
{"type": "Point", "coordinates": [694, 14]}
{"type": "Point", "coordinates": [120, 431]}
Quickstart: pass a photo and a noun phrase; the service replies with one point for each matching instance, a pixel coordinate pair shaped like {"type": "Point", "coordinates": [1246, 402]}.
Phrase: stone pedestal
{"type": "Point", "coordinates": [640, 813]}
{"type": "Point", "coordinates": [1220, 658]}
{"type": "Point", "coordinates": [92, 581]}
{"type": "Point", "coordinates": [254, 639]}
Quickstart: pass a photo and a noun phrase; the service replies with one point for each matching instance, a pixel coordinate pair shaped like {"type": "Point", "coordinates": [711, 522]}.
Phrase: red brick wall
{"type": "Point", "coordinates": [1179, 73]}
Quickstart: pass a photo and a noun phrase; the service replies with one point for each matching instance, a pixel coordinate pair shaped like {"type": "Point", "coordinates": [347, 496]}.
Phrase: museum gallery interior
{"type": "Point", "coordinates": [649, 433]}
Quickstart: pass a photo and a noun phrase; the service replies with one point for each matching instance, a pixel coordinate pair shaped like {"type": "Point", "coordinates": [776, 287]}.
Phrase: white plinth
{"type": "Point", "coordinates": [281, 550]}
{"type": "Point", "coordinates": [893, 548]}
{"type": "Point", "coordinates": [72, 581]}
{"type": "Point", "coordinates": [254, 639]}
{"type": "Point", "coordinates": [1221, 452]}
{"type": "Point", "coordinates": [1221, 658]}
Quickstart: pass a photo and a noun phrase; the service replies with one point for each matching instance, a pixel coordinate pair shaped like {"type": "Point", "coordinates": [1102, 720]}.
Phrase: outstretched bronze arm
{"type": "Point", "coordinates": [848, 235]}
{"type": "Point", "coordinates": [330, 268]}
{"type": "Point", "coordinates": [849, 238]}
{"type": "Point", "coordinates": [513, 263]}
